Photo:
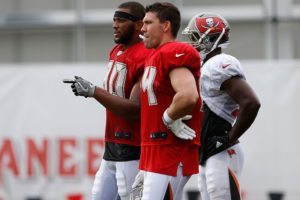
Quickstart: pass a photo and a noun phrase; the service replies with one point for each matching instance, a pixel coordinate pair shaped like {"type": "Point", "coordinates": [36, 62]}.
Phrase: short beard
{"type": "Point", "coordinates": [126, 37]}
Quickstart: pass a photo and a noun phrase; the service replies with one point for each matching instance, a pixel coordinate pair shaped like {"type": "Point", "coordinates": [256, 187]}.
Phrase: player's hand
{"type": "Point", "coordinates": [139, 179]}
{"type": "Point", "coordinates": [83, 87]}
{"type": "Point", "coordinates": [216, 144]}
{"type": "Point", "coordinates": [137, 187]}
{"type": "Point", "coordinates": [179, 128]}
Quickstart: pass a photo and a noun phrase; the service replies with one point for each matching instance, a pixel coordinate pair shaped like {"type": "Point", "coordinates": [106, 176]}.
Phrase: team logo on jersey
{"type": "Point", "coordinates": [177, 55]}
{"type": "Point", "coordinates": [225, 65]}
{"type": "Point", "coordinates": [218, 144]}
{"type": "Point", "coordinates": [119, 53]}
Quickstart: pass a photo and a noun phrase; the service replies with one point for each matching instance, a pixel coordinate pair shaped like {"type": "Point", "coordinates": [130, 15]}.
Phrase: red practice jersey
{"type": "Point", "coordinates": [157, 93]}
{"type": "Point", "coordinates": [124, 69]}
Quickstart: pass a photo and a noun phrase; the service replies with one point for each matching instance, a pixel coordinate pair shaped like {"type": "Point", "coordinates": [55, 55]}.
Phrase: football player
{"type": "Point", "coordinates": [120, 96]}
{"type": "Point", "coordinates": [170, 106]}
{"type": "Point", "coordinates": [230, 106]}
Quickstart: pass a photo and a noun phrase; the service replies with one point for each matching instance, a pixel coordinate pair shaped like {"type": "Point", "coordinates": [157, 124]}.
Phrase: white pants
{"type": "Point", "coordinates": [218, 179]}
{"type": "Point", "coordinates": [114, 178]}
{"type": "Point", "coordinates": [155, 185]}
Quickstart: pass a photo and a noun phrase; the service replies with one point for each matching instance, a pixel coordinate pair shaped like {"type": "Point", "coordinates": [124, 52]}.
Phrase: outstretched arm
{"type": "Point", "coordinates": [126, 108]}
{"type": "Point", "coordinates": [249, 104]}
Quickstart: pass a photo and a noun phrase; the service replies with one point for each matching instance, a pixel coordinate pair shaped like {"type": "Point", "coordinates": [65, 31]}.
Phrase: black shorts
{"type": "Point", "coordinates": [121, 152]}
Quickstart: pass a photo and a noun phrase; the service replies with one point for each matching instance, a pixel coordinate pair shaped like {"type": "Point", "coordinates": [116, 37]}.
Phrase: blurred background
{"type": "Point", "coordinates": [80, 30]}
{"type": "Point", "coordinates": [51, 142]}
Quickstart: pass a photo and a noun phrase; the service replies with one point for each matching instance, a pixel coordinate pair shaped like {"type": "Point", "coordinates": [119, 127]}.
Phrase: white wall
{"type": "Point", "coordinates": [34, 103]}
{"type": "Point", "coordinates": [271, 145]}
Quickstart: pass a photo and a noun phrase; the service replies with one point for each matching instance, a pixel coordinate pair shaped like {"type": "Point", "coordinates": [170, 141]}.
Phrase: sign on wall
{"type": "Point", "coordinates": [51, 142]}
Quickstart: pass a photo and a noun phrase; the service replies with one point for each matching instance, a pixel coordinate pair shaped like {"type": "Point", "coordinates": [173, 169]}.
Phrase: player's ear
{"type": "Point", "coordinates": [138, 25]}
{"type": "Point", "coordinates": [166, 26]}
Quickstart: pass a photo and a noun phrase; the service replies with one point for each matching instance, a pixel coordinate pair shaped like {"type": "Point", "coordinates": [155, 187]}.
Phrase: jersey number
{"type": "Point", "coordinates": [114, 81]}
{"type": "Point", "coordinates": [147, 84]}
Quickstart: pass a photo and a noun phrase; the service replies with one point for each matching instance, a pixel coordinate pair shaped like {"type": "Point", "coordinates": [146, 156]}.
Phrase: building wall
{"type": "Point", "coordinates": [250, 39]}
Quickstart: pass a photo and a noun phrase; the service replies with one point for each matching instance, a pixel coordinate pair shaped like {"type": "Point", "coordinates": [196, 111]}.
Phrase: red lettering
{"type": "Point", "coordinates": [7, 157]}
{"type": "Point", "coordinates": [39, 154]}
{"type": "Point", "coordinates": [66, 168]}
{"type": "Point", "coordinates": [75, 197]}
{"type": "Point", "coordinates": [94, 152]}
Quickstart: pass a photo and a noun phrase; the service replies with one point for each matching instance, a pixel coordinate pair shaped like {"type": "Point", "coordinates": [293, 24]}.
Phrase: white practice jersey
{"type": "Point", "coordinates": [213, 73]}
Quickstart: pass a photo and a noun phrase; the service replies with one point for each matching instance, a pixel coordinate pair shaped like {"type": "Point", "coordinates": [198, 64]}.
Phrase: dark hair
{"type": "Point", "coordinates": [166, 12]}
{"type": "Point", "coordinates": [135, 8]}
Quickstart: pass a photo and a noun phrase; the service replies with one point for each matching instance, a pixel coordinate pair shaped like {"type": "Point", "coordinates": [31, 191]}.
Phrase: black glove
{"type": "Point", "coordinates": [216, 144]}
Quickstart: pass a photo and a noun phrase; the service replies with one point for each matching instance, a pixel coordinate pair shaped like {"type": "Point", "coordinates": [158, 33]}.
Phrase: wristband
{"type": "Point", "coordinates": [167, 118]}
